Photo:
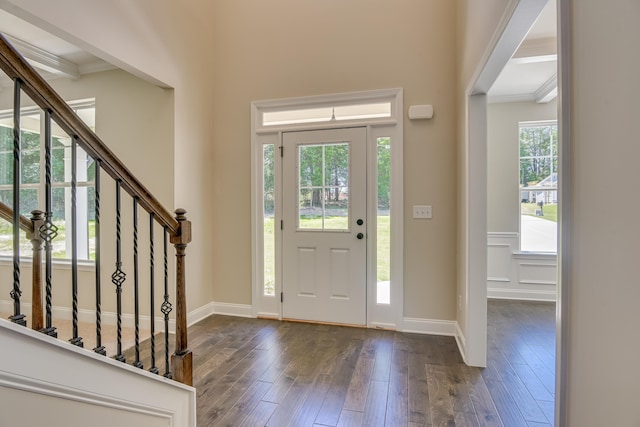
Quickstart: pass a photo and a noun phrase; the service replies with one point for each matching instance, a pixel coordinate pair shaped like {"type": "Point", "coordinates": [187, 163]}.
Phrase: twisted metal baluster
{"type": "Point", "coordinates": [118, 277]}
{"type": "Point", "coordinates": [48, 230]}
{"type": "Point", "coordinates": [75, 340]}
{"type": "Point", "coordinates": [137, 363]}
{"type": "Point", "coordinates": [100, 349]}
{"type": "Point", "coordinates": [152, 313]}
{"type": "Point", "coordinates": [166, 307]}
{"type": "Point", "coordinates": [15, 293]}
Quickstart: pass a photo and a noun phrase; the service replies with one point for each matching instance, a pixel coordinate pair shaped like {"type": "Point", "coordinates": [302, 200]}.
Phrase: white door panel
{"type": "Point", "coordinates": [324, 243]}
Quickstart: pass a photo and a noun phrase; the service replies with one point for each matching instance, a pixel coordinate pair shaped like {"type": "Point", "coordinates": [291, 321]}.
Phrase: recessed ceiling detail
{"type": "Point", "coordinates": [531, 73]}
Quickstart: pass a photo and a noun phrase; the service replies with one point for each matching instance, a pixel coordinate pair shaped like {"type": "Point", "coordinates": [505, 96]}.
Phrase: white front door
{"type": "Point", "coordinates": [324, 226]}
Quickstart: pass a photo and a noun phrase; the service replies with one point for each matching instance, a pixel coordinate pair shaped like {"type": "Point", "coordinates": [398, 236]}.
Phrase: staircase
{"type": "Point", "coordinates": [37, 368]}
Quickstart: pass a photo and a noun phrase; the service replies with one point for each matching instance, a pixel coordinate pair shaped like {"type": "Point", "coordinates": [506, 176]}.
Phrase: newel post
{"type": "Point", "coordinates": [182, 358]}
{"type": "Point", "coordinates": [37, 313]}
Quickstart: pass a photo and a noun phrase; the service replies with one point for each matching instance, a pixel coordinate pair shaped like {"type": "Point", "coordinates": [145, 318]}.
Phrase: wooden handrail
{"type": "Point", "coordinates": [46, 98]}
{"type": "Point", "coordinates": [7, 213]}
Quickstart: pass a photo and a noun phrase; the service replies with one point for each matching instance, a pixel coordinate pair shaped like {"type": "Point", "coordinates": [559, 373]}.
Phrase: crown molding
{"type": "Point", "coordinates": [44, 60]}
{"type": "Point", "coordinates": [548, 91]}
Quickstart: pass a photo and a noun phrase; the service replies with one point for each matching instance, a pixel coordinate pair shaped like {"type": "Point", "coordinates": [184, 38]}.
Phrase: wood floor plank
{"type": "Point", "coordinates": [397, 401]}
{"type": "Point", "coordinates": [482, 400]}
{"type": "Point", "coordinates": [356, 399]}
{"type": "Point", "coordinates": [465, 419]}
{"type": "Point", "coordinates": [293, 401]}
{"type": "Point", "coordinates": [521, 396]}
{"type": "Point", "coordinates": [259, 416]}
{"type": "Point", "coordinates": [246, 403]}
{"type": "Point", "coordinates": [459, 388]}
{"type": "Point", "coordinates": [548, 408]}
{"type": "Point", "coordinates": [507, 408]}
{"type": "Point", "coordinates": [308, 411]}
{"type": "Point", "coordinates": [440, 403]}
{"type": "Point", "coordinates": [533, 383]}
{"type": "Point", "coordinates": [382, 365]}
{"type": "Point", "coordinates": [376, 406]}
{"type": "Point", "coordinates": [334, 400]}
{"type": "Point", "coordinates": [350, 418]}
{"type": "Point", "coordinates": [418, 389]}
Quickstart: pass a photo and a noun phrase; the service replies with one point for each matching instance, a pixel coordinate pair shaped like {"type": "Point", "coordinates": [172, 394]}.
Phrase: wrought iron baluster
{"type": "Point", "coordinates": [99, 347]}
{"type": "Point", "coordinates": [16, 293]}
{"type": "Point", "coordinates": [118, 277]}
{"type": "Point", "coordinates": [136, 300]}
{"type": "Point", "coordinates": [48, 230]}
{"type": "Point", "coordinates": [152, 285]}
{"type": "Point", "coordinates": [75, 340]}
{"type": "Point", "coordinates": [166, 307]}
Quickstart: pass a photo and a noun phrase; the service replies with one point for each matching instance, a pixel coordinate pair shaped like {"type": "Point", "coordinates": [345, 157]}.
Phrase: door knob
{"type": "Point", "coordinates": [359, 221]}
{"type": "Point", "coordinates": [359, 236]}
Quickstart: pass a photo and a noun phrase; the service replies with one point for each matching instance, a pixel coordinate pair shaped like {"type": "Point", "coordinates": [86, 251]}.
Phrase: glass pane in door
{"type": "Point", "coordinates": [323, 187]}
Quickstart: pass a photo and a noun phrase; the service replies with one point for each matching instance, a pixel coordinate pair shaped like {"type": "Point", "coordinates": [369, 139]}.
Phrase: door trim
{"type": "Point", "coordinates": [389, 316]}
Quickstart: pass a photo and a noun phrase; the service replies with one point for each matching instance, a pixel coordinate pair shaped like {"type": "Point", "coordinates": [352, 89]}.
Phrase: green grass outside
{"type": "Point", "coordinates": [550, 211]}
{"type": "Point", "coordinates": [383, 245]}
{"type": "Point", "coordinates": [6, 244]}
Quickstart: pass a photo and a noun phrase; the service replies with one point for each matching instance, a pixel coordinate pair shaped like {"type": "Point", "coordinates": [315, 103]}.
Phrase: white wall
{"type": "Point", "coordinates": [602, 291]}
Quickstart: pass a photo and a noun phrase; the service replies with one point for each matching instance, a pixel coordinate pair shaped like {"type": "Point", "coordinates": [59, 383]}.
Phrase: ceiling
{"type": "Point", "coordinates": [531, 74]}
{"type": "Point", "coordinates": [50, 55]}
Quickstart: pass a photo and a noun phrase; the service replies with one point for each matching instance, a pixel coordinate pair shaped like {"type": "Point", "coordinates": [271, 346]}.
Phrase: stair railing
{"type": "Point", "coordinates": [41, 229]}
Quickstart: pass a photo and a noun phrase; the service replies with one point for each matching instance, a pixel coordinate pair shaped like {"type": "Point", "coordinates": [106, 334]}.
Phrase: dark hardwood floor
{"type": "Point", "coordinates": [251, 372]}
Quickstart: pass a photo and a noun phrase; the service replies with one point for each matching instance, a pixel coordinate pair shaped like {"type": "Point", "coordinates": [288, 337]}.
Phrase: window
{"type": "Point", "coordinates": [326, 114]}
{"type": "Point", "coordinates": [538, 186]}
{"type": "Point", "coordinates": [32, 186]}
{"type": "Point", "coordinates": [383, 221]}
{"type": "Point", "coordinates": [268, 214]}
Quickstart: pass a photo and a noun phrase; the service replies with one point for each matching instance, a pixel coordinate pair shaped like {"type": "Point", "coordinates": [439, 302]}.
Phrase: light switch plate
{"type": "Point", "coordinates": [422, 212]}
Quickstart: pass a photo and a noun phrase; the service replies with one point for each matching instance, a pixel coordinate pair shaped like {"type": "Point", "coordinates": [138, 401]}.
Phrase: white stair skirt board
{"type": "Point", "coordinates": [61, 379]}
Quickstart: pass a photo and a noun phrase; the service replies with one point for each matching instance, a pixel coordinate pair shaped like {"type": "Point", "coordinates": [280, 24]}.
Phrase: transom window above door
{"type": "Point", "coordinates": [327, 114]}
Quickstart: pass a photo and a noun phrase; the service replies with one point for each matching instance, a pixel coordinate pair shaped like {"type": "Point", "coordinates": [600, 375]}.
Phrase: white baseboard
{"type": "Point", "coordinates": [229, 309]}
{"type": "Point", "coordinates": [521, 294]}
{"type": "Point", "coordinates": [462, 342]}
{"type": "Point", "coordinates": [429, 326]}
{"type": "Point", "coordinates": [199, 314]}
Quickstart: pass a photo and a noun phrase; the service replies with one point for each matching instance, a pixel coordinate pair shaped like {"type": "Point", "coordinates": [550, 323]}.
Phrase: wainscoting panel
{"type": "Point", "coordinates": [518, 275]}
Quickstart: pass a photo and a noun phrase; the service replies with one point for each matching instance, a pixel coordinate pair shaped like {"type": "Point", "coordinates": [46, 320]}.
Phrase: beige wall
{"type": "Point", "coordinates": [270, 50]}
{"type": "Point", "coordinates": [603, 291]}
{"type": "Point", "coordinates": [503, 159]}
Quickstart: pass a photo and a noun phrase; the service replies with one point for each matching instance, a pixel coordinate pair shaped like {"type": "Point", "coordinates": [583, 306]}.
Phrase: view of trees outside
{"type": "Point", "coordinates": [31, 187]}
{"type": "Point", "coordinates": [538, 186]}
{"type": "Point", "coordinates": [324, 186]}
{"type": "Point", "coordinates": [268, 212]}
